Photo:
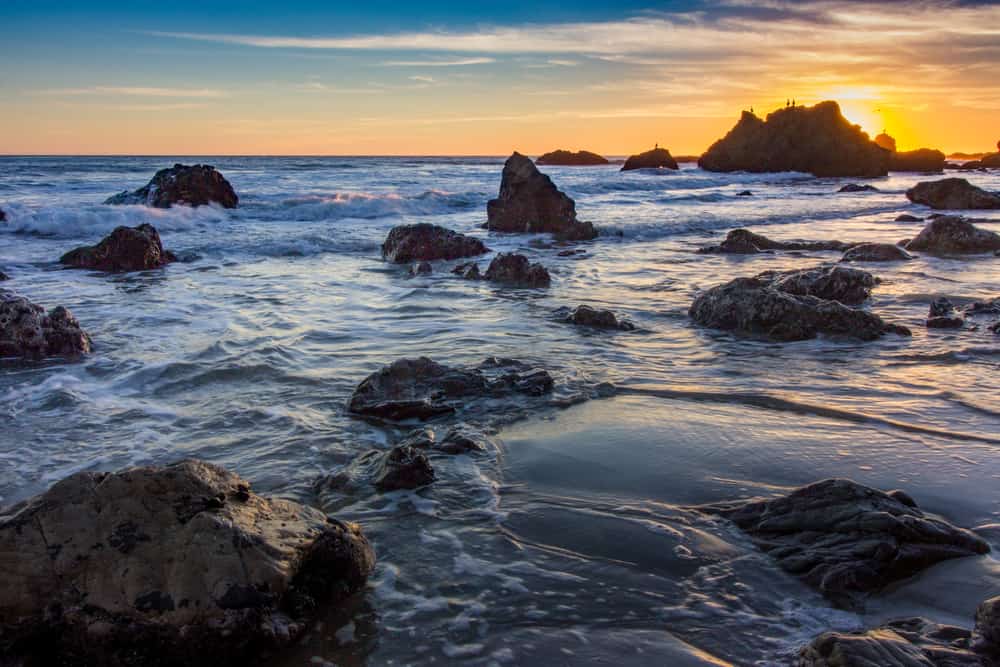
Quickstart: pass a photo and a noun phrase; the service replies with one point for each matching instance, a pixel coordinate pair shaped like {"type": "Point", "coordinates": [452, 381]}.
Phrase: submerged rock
{"type": "Point", "coordinates": [658, 158]}
{"type": "Point", "coordinates": [876, 252]}
{"type": "Point", "coordinates": [744, 193]}
{"type": "Point", "coordinates": [854, 187]}
{"type": "Point", "coordinates": [835, 283]}
{"type": "Point", "coordinates": [3, 216]}
{"type": "Point", "coordinates": [816, 140]}
{"type": "Point", "coordinates": [427, 242]}
{"type": "Point", "coordinates": [954, 235]}
{"type": "Point", "coordinates": [989, 307]}
{"type": "Point", "coordinates": [598, 318]}
{"type": "Point", "coordinates": [745, 242]}
{"type": "Point", "coordinates": [27, 331]}
{"type": "Point", "coordinates": [943, 315]}
{"type": "Point", "coordinates": [906, 217]}
{"type": "Point", "coordinates": [925, 160]}
{"type": "Point", "coordinates": [848, 540]}
{"type": "Point", "coordinates": [196, 185]}
{"type": "Point", "coordinates": [463, 439]}
{"type": "Point", "coordinates": [515, 269]}
{"type": "Point", "coordinates": [402, 467]}
{"type": "Point", "coordinates": [180, 564]}
{"type": "Point", "coordinates": [421, 269]}
{"type": "Point", "coordinates": [571, 159]}
{"type": "Point", "coordinates": [125, 249]}
{"type": "Point", "coordinates": [530, 202]}
{"type": "Point", "coordinates": [952, 193]}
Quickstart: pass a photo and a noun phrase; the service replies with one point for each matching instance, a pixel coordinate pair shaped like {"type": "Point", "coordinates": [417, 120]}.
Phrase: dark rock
{"type": "Point", "coordinates": [426, 242]}
{"type": "Point", "coordinates": [196, 185]}
{"type": "Point", "coordinates": [848, 540]}
{"type": "Point", "coordinates": [529, 202]}
{"type": "Point", "coordinates": [995, 327]}
{"type": "Point", "coordinates": [3, 276]}
{"type": "Point", "coordinates": [986, 633]}
{"type": "Point", "coordinates": [514, 269]}
{"type": "Point", "coordinates": [756, 306]}
{"type": "Point", "coordinates": [423, 438]}
{"type": "Point", "coordinates": [745, 242]}
{"type": "Point", "coordinates": [991, 307]}
{"type": "Point", "coordinates": [27, 331]}
{"type": "Point", "coordinates": [854, 187]}
{"type": "Point", "coordinates": [468, 270]}
{"type": "Point", "coordinates": [876, 252]}
{"type": "Point", "coordinates": [834, 283]}
{"type": "Point", "coordinates": [463, 438]}
{"type": "Point", "coordinates": [952, 193]}
{"type": "Point", "coordinates": [886, 141]}
{"type": "Point", "coordinates": [571, 159]}
{"type": "Point", "coordinates": [421, 269]}
{"type": "Point", "coordinates": [953, 235]}
{"type": "Point", "coordinates": [3, 216]}
{"type": "Point", "coordinates": [198, 576]}
{"type": "Point", "coordinates": [924, 160]}
{"type": "Point", "coordinates": [943, 315]}
{"type": "Point", "coordinates": [906, 217]}
{"type": "Point", "coordinates": [744, 193]}
{"type": "Point", "coordinates": [125, 249]}
{"type": "Point", "coordinates": [658, 158]}
{"type": "Point", "coordinates": [817, 140]}
{"type": "Point", "coordinates": [598, 318]}
{"type": "Point", "coordinates": [403, 468]}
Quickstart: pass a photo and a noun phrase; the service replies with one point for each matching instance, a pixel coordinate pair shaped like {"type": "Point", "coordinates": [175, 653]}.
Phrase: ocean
{"type": "Point", "coordinates": [578, 538]}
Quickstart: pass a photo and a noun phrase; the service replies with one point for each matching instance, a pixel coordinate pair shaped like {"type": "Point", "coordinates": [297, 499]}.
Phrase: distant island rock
{"type": "Point", "coordinates": [196, 185]}
{"type": "Point", "coordinates": [124, 249]}
{"type": "Point", "coordinates": [816, 140]}
{"type": "Point", "coordinates": [952, 193]}
{"type": "Point", "coordinates": [570, 159]}
{"type": "Point", "coordinates": [657, 158]}
{"type": "Point", "coordinates": [925, 160]}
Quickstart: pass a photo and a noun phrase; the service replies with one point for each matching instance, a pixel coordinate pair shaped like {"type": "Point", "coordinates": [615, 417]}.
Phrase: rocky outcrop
{"type": "Point", "coordinates": [943, 315]}
{"type": "Point", "coordinates": [745, 242]}
{"type": "Point", "coordinates": [125, 249]}
{"type": "Point", "coordinates": [952, 193]}
{"type": "Point", "coordinates": [423, 389]}
{"type": "Point", "coordinates": [816, 140]}
{"type": "Point", "coordinates": [924, 160]}
{"type": "Point", "coordinates": [854, 187]}
{"type": "Point", "coordinates": [954, 235]}
{"type": "Point", "coordinates": [27, 331]}
{"type": "Point", "coordinates": [181, 564]}
{"type": "Point", "coordinates": [570, 159]}
{"type": "Point", "coordinates": [508, 269]}
{"type": "Point", "coordinates": [196, 185]}
{"type": "Point", "coordinates": [886, 141]}
{"type": "Point", "coordinates": [597, 318]}
{"type": "Point", "coordinates": [427, 242]}
{"type": "Point", "coordinates": [906, 217]}
{"type": "Point", "coordinates": [658, 158]}
{"type": "Point", "coordinates": [848, 540]}
{"type": "Point", "coordinates": [529, 202]}
{"type": "Point", "coordinates": [876, 252]}
{"type": "Point", "coordinates": [834, 283]}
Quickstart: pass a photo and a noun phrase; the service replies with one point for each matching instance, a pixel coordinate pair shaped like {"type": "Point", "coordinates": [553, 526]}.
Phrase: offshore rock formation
{"type": "Point", "coordinates": [196, 185]}
{"type": "Point", "coordinates": [848, 540]}
{"type": "Point", "coordinates": [27, 331]}
{"type": "Point", "coordinates": [876, 252]}
{"type": "Point", "coordinates": [529, 202]}
{"type": "Point", "coordinates": [745, 242]}
{"type": "Point", "coordinates": [125, 249]}
{"type": "Point", "coordinates": [817, 140]}
{"type": "Point", "coordinates": [954, 235]}
{"type": "Point", "coordinates": [925, 160]}
{"type": "Point", "coordinates": [952, 193]}
{"type": "Point", "coordinates": [425, 242]}
{"type": "Point", "coordinates": [658, 158]}
{"type": "Point", "coordinates": [180, 564]}
{"type": "Point", "coordinates": [571, 159]}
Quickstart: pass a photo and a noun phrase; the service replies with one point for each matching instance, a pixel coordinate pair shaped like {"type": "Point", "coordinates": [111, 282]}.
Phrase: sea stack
{"type": "Point", "coordinates": [816, 140]}
{"type": "Point", "coordinates": [658, 158]}
{"type": "Point", "coordinates": [570, 159]}
{"type": "Point", "coordinates": [196, 185]}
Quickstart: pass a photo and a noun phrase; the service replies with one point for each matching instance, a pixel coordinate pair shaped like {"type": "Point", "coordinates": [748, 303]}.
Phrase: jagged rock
{"type": "Point", "coordinates": [27, 331]}
{"type": "Point", "coordinates": [529, 202]}
{"type": "Point", "coordinates": [876, 252]}
{"type": "Point", "coordinates": [463, 438]}
{"type": "Point", "coordinates": [421, 269]}
{"type": "Point", "coordinates": [124, 249]}
{"type": "Point", "coordinates": [598, 318]}
{"type": "Point", "coordinates": [756, 306]}
{"type": "Point", "coordinates": [745, 242]}
{"type": "Point", "coordinates": [886, 141]}
{"type": "Point", "coordinates": [427, 242]}
{"type": "Point", "coordinates": [953, 235]}
{"type": "Point", "coordinates": [196, 185]}
{"type": "Point", "coordinates": [403, 468]}
{"type": "Point", "coordinates": [571, 159]}
{"type": "Point", "coordinates": [987, 629]}
{"type": "Point", "coordinates": [925, 160]}
{"type": "Point", "coordinates": [180, 564]}
{"type": "Point", "coordinates": [833, 283]}
{"type": "Point", "coordinates": [847, 539]}
{"type": "Point", "coordinates": [943, 315]}
{"type": "Point", "coordinates": [952, 193]}
{"type": "Point", "coordinates": [817, 140]}
{"type": "Point", "coordinates": [906, 217]}
{"type": "Point", "coordinates": [854, 187]}
{"type": "Point", "coordinates": [514, 269]}
{"type": "Point", "coordinates": [658, 158]}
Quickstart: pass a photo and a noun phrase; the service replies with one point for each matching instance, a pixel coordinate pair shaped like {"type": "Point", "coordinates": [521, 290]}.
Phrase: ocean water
{"type": "Point", "coordinates": [576, 538]}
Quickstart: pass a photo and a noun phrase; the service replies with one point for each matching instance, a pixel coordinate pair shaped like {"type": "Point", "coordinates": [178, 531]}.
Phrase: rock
{"type": "Point", "coordinates": [833, 283]}
{"type": "Point", "coordinates": [403, 468]}
{"type": "Point", "coordinates": [420, 388]}
{"type": "Point", "coordinates": [3, 216]}
{"type": "Point", "coordinates": [756, 306]}
{"type": "Point", "coordinates": [854, 187]}
{"type": "Point", "coordinates": [952, 193]}
{"type": "Point", "coordinates": [991, 307]}
{"type": "Point", "coordinates": [421, 269]}
{"type": "Point", "coordinates": [3, 276]}
{"type": "Point", "coordinates": [514, 269]}
{"type": "Point", "coordinates": [995, 327]}
{"type": "Point", "coordinates": [886, 142]}
{"type": "Point", "coordinates": [991, 161]}
{"type": "Point", "coordinates": [27, 331]}
{"type": "Point", "coordinates": [942, 315]}
{"type": "Point", "coordinates": [597, 318]}
{"type": "Point", "coordinates": [848, 540]}
{"type": "Point", "coordinates": [816, 140]}
{"type": "Point", "coordinates": [196, 185]}
{"type": "Point", "coordinates": [876, 252]}
{"type": "Point", "coordinates": [745, 242]}
{"type": "Point", "coordinates": [925, 160]}
{"type": "Point", "coordinates": [987, 629]}
{"type": "Point", "coordinates": [530, 203]}
{"type": "Point", "coordinates": [658, 158]}
{"type": "Point", "coordinates": [180, 564]}
{"type": "Point", "coordinates": [422, 438]}
{"type": "Point", "coordinates": [468, 270]}
{"type": "Point", "coordinates": [426, 242]}
{"type": "Point", "coordinates": [463, 438]}
{"type": "Point", "coordinates": [906, 217]}
{"type": "Point", "coordinates": [954, 235]}
{"type": "Point", "coordinates": [570, 159]}
{"type": "Point", "coordinates": [125, 249]}
{"type": "Point", "coordinates": [744, 193]}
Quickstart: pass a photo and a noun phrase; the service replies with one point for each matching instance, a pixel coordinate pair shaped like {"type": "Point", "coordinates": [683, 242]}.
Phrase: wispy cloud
{"type": "Point", "coordinates": [453, 62]}
{"type": "Point", "coordinates": [134, 91]}
{"type": "Point", "coordinates": [422, 78]}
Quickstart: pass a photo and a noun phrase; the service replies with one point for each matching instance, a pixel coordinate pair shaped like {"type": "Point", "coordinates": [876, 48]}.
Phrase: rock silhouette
{"type": "Point", "coordinates": [196, 185]}
{"type": "Point", "coordinates": [952, 193]}
{"type": "Point", "coordinates": [571, 159]}
{"type": "Point", "coordinates": [125, 249]}
{"type": "Point", "coordinates": [658, 158]}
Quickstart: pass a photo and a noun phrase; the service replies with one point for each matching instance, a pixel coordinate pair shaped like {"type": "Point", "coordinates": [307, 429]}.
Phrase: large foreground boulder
{"type": "Point", "coordinates": [745, 242]}
{"type": "Point", "coordinates": [924, 160]}
{"type": "Point", "coordinates": [427, 242]}
{"type": "Point", "coordinates": [848, 540]}
{"type": "Point", "coordinates": [195, 185]}
{"type": "Point", "coordinates": [125, 249]}
{"type": "Point", "coordinates": [658, 158]}
{"type": "Point", "coordinates": [529, 202]}
{"type": "Point", "coordinates": [876, 252]}
{"type": "Point", "coordinates": [954, 235]}
{"type": "Point", "coordinates": [816, 140]}
{"type": "Point", "coordinates": [173, 565]}
{"type": "Point", "coordinates": [27, 331]}
{"type": "Point", "coordinates": [952, 193]}
{"type": "Point", "coordinates": [570, 159]}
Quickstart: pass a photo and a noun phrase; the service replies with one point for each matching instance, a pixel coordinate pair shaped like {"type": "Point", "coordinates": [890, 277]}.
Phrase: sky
{"type": "Point", "coordinates": [388, 77]}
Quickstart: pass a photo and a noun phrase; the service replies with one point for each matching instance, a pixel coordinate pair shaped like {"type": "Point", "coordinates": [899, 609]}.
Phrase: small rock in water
{"type": "Point", "coordinates": [196, 185]}
{"type": "Point", "coordinates": [571, 159]}
{"type": "Point", "coordinates": [876, 252]}
{"type": "Point", "coordinates": [26, 330]}
{"type": "Point", "coordinates": [657, 158]}
{"type": "Point", "coordinates": [598, 318]}
{"type": "Point", "coordinates": [954, 235]}
{"type": "Point", "coordinates": [403, 468]}
{"type": "Point", "coordinates": [745, 242]}
{"type": "Point", "coordinates": [124, 249]}
{"type": "Point", "coordinates": [421, 269]}
{"type": "Point", "coordinates": [4, 276]}
{"type": "Point", "coordinates": [906, 217]}
{"type": "Point", "coordinates": [834, 283]}
{"type": "Point", "coordinates": [515, 269]}
{"type": "Point", "coordinates": [854, 187]}
{"type": "Point", "coordinates": [943, 315]}
{"type": "Point", "coordinates": [3, 216]}
{"type": "Point", "coordinates": [744, 193]}
{"type": "Point", "coordinates": [463, 438]}
{"type": "Point", "coordinates": [952, 193]}
{"type": "Point", "coordinates": [425, 242]}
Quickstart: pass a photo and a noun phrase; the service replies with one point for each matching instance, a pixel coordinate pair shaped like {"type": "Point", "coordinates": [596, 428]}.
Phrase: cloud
{"type": "Point", "coordinates": [455, 62]}
{"type": "Point", "coordinates": [422, 78]}
{"type": "Point", "coordinates": [134, 91]}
